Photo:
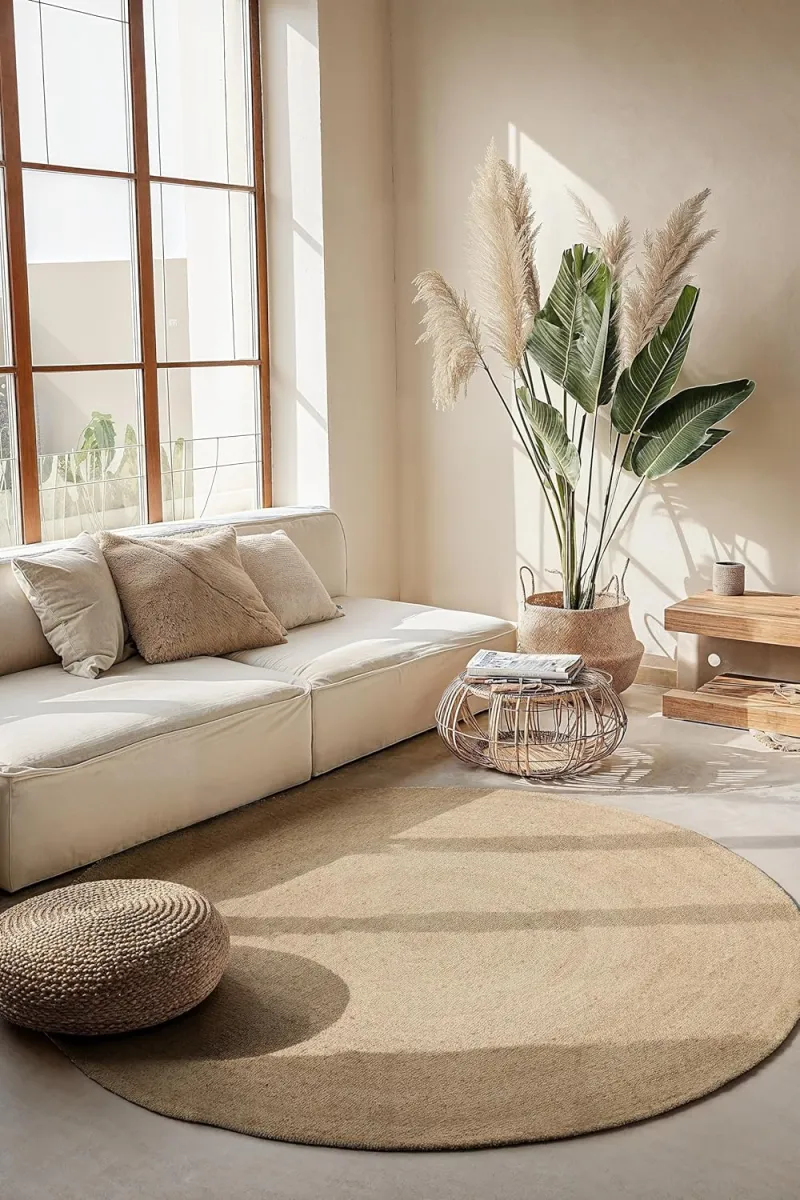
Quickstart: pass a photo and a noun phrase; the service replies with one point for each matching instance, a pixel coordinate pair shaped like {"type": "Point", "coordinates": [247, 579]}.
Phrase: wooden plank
{"type": "Point", "coordinates": [753, 617]}
{"type": "Point", "coordinates": [203, 183]}
{"type": "Point", "coordinates": [103, 173]}
{"type": "Point", "coordinates": [71, 368]}
{"type": "Point", "coordinates": [737, 702]}
{"type": "Point", "coordinates": [18, 280]}
{"type": "Point", "coordinates": [144, 237]}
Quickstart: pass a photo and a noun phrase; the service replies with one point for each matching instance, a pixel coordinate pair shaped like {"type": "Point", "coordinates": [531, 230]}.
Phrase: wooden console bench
{"type": "Point", "coordinates": [745, 698]}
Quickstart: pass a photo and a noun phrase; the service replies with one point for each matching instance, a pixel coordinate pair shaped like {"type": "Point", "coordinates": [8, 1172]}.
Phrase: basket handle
{"type": "Point", "coordinates": [525, 590]}
{"type": "Point", "coordinates": [617, 582]}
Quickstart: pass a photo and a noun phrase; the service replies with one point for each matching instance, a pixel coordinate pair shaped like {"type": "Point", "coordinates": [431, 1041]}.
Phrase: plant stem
{"type": "Point", "coordinates": [618, 521]}
{"type": "Point", "coordinates": [580, 435]}
{"type": "Point", "coordinates": [544, 479]}
{"type": "Point", "coordinates": [585, 538]}
{"type": "Point", "coordinates": [608, 500]}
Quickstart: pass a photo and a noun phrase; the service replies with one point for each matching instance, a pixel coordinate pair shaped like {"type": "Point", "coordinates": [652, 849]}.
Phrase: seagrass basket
{"type": "Point", "coordinates": [603, 635]}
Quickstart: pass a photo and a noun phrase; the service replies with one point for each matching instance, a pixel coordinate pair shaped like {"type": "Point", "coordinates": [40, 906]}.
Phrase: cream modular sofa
{"type": "Point", "coordinates": [90, 767]}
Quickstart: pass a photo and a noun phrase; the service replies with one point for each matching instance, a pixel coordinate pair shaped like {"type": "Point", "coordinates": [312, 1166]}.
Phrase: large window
{"type": "Point", "coordinates": [133, 329]}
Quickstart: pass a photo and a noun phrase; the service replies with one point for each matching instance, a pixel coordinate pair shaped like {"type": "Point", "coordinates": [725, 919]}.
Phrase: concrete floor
{"type": "Point", "coordinates": [63, 1138]}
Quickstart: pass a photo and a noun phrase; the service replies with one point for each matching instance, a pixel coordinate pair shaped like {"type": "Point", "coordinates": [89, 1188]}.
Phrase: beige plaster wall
{"type": "Point", "coordinates": [331, 265]}
{"type": "Point", "coordinates": [358, 217]}
{"type": "Point", "coordinates": [634, 106]}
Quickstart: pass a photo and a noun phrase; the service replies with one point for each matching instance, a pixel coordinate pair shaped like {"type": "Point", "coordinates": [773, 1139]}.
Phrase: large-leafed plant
{"type": "Point", "coordinates": [599, 360]}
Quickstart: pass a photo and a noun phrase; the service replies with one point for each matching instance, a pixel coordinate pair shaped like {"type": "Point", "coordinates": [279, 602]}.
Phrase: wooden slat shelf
{"type": "Point", "coordinates": [736, 701]}
{"type": "Point", "coordinates": [753, 617]}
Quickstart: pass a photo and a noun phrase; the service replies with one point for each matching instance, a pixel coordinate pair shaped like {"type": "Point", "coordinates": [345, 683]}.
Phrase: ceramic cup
{"type": "Point", "coordinates": [728, 579]}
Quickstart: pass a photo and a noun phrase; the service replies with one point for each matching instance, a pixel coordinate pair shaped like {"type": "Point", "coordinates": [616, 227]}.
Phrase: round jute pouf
{"type": "Point", "coordinates": [109, 956]}
{"type": "Point", "coordinates": [420, 968]}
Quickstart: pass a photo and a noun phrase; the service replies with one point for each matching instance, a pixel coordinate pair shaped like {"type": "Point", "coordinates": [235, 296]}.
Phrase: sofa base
{"type": "Point", "coordinates": [371, 712]}
{"type": "Point", "coordinates": [53, 821]}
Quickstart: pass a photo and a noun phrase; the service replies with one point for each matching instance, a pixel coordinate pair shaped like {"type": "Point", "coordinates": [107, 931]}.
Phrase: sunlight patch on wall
{"type": "Point", "coordinates": [311, 475]}
{"type": "Point", "coordinates": [305, 144]}
{"type": "Point", "coordinates": [551, 183]}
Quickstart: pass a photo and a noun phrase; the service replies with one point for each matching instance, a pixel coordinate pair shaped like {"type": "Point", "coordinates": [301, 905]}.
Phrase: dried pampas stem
{"type": "Point", "coordinates": [668, 255]}
{"type": "Point", "coordinates": [587, 221]}
{"type": "Point", "coordinates": [524, 219]}
{"type": "Point", "coordinates": [453, 329]}
{"type": "Point", "coordinates": [615, 246]}
{"type": "Point", "coordinates": [502, 240]}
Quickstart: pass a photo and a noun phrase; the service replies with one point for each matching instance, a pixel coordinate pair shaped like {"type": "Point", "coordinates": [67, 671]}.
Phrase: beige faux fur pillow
{"type": "Point", "coordinates": [183, 597]}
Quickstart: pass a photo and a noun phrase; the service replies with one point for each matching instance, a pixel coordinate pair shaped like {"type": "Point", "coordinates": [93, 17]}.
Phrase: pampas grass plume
{"type": "Point", "coordinates": [502, 242]}
{"type": "Point", "coordinates": [664, 271]}
{"type": "Point", "coordinates": [453, 329]}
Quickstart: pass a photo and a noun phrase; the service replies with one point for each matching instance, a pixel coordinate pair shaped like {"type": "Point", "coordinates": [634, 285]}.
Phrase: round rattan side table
{"type": "Point", "coordinates": [539, 731]}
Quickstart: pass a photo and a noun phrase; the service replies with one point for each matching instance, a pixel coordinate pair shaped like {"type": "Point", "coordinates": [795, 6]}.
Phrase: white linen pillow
{"type": "Point", "coordinates": [288, 583]}
{"type": "Point", "coordinates": [72, 593]}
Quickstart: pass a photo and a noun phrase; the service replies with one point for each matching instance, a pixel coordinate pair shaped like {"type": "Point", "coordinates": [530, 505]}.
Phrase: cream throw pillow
{"type": "Point", "coordinates": [288, 583]}
{"type": "Point", "coordinates": [72, 593]}
{"type": "Point", "coordinates": [186, 596]}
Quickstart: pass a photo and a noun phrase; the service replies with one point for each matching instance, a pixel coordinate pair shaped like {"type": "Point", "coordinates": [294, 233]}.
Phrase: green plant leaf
{"type": "Point", "coordinates": [650, 378]}
{"type": "Point", "coordinates": [681, 425]}
{"type": "Point", "coordinates": [128, 465]}
{"type": "Point", "coordinates": [715, 436]}
{"type": "Point", "coordinates": [611, 348]}
{"type": "Point", "coordinates": [587, 368]}
{"type": "Point", "coordinates": [565, 334]}
{"type": "Point", "coordinates": [550, 431]}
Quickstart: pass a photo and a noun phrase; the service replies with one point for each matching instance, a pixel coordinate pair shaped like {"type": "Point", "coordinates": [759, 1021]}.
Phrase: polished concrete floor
{"type": "Point", "coordinates": [63, 1138]}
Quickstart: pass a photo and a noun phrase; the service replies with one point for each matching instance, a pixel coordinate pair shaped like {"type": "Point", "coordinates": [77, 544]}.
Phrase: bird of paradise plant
{"type": "Point", "coordinates": [607, 340]}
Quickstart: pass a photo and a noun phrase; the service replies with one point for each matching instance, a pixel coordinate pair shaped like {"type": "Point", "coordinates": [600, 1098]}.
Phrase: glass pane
{"type": "Point", "coordinates": [204, 249]}
{"type": "Point", "coordinates": [79, 231]}
{"type": "Point", "coordinates": [74, 86]}
{"type": "Point", "coordinates": [6, 352]}
{"type": "Point", "coordinates": [210, 445]}
{"type": "Point", "coordinates": [198, 88]}
{"type": "Point", "coordinates": [90, 451]}
{"type": "Point", "coordinates": [116, 9]}
{"type": "Point", "coordinates": [10, 525]}
{"type": "Point", "coordinates": [30, 82]}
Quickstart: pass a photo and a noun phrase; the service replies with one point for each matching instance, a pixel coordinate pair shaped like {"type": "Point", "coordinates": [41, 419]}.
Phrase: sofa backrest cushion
{"type": "Point", "coordinates": [317, 532]}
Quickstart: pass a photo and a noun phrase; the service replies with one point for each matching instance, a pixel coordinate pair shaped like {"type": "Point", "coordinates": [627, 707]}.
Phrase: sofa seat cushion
{"type": "Point", "coordinates": [377, 673]}
{"type": "Point", "coordinates": [90, 767]}
{"type": "Point", "coordinates": [49, 719]}
{"type": "Point", "coordinates": [371, 636]}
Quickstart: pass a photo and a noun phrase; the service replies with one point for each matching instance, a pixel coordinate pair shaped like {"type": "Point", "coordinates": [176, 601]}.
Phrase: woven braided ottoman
{"type": "Point", "coordinates": [110, 956]}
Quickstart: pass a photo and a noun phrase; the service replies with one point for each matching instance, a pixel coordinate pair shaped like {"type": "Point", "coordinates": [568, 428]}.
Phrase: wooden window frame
{"type": "Point", "coordinates": [23, 370]}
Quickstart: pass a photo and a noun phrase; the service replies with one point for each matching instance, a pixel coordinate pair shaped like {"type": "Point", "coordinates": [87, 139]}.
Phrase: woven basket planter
{"type": "Point", "coordinates": [602, 635]}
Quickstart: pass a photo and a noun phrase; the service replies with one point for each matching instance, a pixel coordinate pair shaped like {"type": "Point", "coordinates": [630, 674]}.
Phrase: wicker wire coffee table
{"type": "Point", "coordinates": [539, 731]}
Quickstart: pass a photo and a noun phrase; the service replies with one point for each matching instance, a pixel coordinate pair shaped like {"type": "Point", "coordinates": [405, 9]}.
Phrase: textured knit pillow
{"type": "Point", "coordinates": [289, 585]}
{"type": "Point", "coordinates": [72, 593]}
{"type": "Point", "coordinates": [183, 597]}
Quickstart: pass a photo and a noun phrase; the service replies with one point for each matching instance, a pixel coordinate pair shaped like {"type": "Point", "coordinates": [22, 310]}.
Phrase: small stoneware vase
{"type": "Point", "coordinates": [727, 579]}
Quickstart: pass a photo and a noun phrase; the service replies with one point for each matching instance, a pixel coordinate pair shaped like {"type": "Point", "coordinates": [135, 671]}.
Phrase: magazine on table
{"type": "Point", "coordinates": [503, 667]}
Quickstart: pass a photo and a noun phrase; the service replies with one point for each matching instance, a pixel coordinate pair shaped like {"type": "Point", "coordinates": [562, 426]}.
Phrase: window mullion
{"type": "Point", "coordinates": [144, 230]}
{"type": "Point", "coordinates": [18, 280]}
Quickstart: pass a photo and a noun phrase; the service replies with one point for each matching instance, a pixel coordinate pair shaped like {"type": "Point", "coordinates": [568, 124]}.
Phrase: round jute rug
{"type": "Point", "coordinates": [417, 968]}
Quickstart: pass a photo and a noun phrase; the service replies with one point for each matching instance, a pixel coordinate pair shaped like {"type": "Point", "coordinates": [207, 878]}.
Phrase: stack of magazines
{"type": "Point", "coordinates": [499, 666]}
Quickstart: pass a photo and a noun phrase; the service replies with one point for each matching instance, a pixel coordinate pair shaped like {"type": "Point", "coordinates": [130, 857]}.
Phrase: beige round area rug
{"type": "Point", "coordinates": [420, 968]}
